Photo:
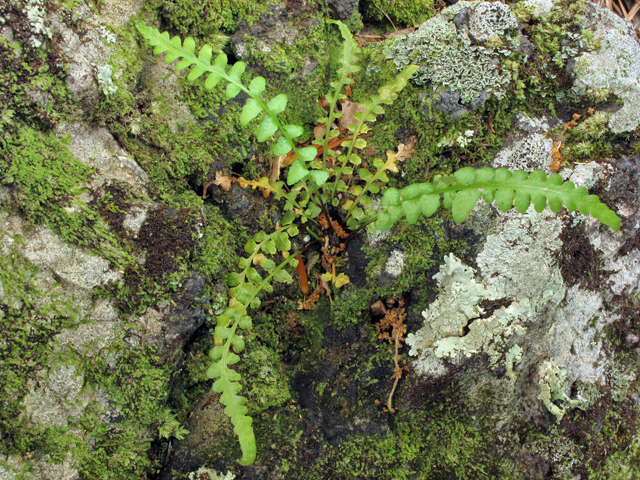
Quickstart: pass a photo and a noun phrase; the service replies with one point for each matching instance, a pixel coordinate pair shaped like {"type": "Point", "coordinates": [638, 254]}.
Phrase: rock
{"type": "Point", "coordinates": [443, 48]}
{"type": "Point", "coordinates": [614, 67]}
{"type": "Point", "coordinates": [343, 9]}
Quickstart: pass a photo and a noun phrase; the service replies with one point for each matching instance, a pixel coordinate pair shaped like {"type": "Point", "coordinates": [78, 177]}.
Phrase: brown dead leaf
{"type": "Point", "coordinates": [405, 151]}
{"type": "Point", "coordinates": [274, 174]}
{"type": "Point", "coordinates": [205, 186]}
{"type": "Point", "coordinates": [369, 151]}
{"type": "Point", "coordinates": [223, 181]}
{"type": "Point", "coordinates": [259, 257]}
{"type": "Point", "coordinates": [319, 131]}
{"type": "Point", "coordinates": [348, 110]}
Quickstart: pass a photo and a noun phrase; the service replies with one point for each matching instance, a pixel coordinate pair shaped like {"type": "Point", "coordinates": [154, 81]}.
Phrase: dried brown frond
{"type": "Point", "coordinates": [392, 329]}
{"type": "Point", "coordinates": [311, 299]}
{"type": "Point", "coordinates": [556, 157]}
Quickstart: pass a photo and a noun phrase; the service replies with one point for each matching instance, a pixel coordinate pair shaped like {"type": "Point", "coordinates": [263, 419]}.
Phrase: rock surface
{"type": "Point", "coordinates": [521, 353]}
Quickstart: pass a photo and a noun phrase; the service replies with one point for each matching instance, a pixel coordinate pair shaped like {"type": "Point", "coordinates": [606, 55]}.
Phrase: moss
{"type": "Point", "coordinates": [402, 14]}
{"type": "Point", "coordinates": [29, 320]}
{"type": "Point", "coordinates": [174, 240]}
{"type": "Point", "coordinates": [137, 384]}
{"type": "Point", "coordinates": [263, 379]}
{"type": "Point", "coordinates": [32, 79]}
{"type": "Point", "coordinates": [202, 20]}
{"type": "Point", "coordinates": [47, 180]}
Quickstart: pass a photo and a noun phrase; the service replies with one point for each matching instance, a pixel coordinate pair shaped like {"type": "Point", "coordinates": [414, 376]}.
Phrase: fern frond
{"type": "Point", "coordinates": [246, 286]}
{"type": "Point", "coordinates": [201, 64]}
{"type": "Point", "coordinates": [373, 107]}
{"type": "Point", "coordinates": [348, 60]}
{"type": "Point", "coordinates": [460, 192]}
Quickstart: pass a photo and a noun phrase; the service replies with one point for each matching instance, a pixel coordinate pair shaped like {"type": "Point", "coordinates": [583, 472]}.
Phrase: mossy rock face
{"type": "Point", "coordinates": [116, 234]}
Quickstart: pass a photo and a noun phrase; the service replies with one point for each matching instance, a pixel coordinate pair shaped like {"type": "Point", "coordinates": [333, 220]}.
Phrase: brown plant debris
{"type": "Point", "coordinates": [311, 299]}
{"type": "Point", "coordinates": [556, 157]}
{"type": "Point", "coordinates": [324, 224]}
{"type": "Point", "coordinates": [393, 329]}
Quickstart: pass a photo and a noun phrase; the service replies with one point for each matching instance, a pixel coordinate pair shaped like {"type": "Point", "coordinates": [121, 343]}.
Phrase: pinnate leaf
{"type": "Point", "coordinates": [462, 190]}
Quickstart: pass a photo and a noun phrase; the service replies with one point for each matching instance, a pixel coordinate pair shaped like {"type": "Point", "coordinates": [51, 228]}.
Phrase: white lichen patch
{"type": "Point", "coordinates": [627, 276]}
{"type": "Point", "coordinates": [448, 58]}
{"type": "Point", "coordinates": [36, 13]}
{"type": "Point", "coordinates": [103, 74]}
{"type": "Point", "coordinates": [572, 340]}
{"type": "Point", "coordinates": [395, 264]}
{"type": "Point", "coordinates": [531, 153]}
{"type": "Point", "coordinates": [490, 21]}
{"type": "Point", "coordinates": [457, 308]}
{"type": "Point", "coordinates": [539, 8]}
{"type": "Point", "coordinates": [551, 379]}
{"type": "Point", "coordinates": [519, 259]}
{"type": "Point", "coordinates": [615, 66]}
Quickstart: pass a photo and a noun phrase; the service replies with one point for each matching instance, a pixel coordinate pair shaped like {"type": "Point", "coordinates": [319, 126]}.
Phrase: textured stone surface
{"type": "Point", "coordinates": [615, 66]}
{"type": "Point", "coordinates": [443, 48]}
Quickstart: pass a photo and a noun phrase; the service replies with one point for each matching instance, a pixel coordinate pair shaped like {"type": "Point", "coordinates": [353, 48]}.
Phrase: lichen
{"type": "Point", "coordinates": [450, 60]}
{"type": "Point", "coordinates": [551, 379]}
{"type": "Point", "coordinates": [104, 73]}
{"type": "Point", "coordinates": [458, 309]}
{"type": "Point", "coordinates": [615, 66]}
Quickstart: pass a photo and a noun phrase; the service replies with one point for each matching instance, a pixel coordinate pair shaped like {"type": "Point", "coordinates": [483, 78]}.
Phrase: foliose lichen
{"type": "Point", "coordinates": [454, 322]}
{"type": "Point", "coordinates": [461, 49]}
{"type": "Point", "coordinates": [614, 67]}
{"type": "Point", "coordinates": [551, 379]}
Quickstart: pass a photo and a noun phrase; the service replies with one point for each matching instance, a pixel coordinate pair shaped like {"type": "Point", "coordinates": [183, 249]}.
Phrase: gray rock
{"type": "Point", "coordinates": [343, 9]}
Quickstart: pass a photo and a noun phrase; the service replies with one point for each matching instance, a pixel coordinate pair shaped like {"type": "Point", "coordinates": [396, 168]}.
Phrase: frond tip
{"type": "Point", "coordinates": [461, 191]}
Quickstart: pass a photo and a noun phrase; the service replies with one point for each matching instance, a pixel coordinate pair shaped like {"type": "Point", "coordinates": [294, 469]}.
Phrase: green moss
{"type": "Point", "coordinates": [263, 379]}
{"type": "Point", "coordinates": [32, 80]}
{"type": "Point", "coordinates": [47, 180]}
{"type": "Point", "coordinates": [207, 18]}
{"type": "Point", "coordinates": [29, 320]}
{"type": "Point", "coordinates": [137, 383]}
{"type": "Point", "coordinates": [406, 13]}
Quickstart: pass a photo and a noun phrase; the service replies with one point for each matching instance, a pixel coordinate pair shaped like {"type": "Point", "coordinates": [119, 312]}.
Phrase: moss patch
{"type": "Point", "coordinates": [29, 320]}
{"type": "Point", "coordinates": [46, 180]}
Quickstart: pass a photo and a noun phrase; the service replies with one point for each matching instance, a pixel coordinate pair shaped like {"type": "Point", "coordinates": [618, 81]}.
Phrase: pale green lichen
{"type": "Point", "coordinates": [36, 14]}
{"type": "Point", "coordinates": [460, 50]}
{"type": "Point", "coordinates": [512, 358]}
{"type": "Point", "coordinates": [458, 309]}
{"type": "Point", "coordinates": [209, 474]}
{"type": "Point", "coordinates": [551, 379]}
{"type": "Point", "coordinates": [104, 73]}
{"type": "Point", "coordinates": [614, 67]}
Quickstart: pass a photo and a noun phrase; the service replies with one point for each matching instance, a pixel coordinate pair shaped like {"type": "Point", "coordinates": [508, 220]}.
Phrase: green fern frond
{"type": "Point", "coordinates": [245, 287]}
{"type": "Point", "coordinates": [461, 191]}
{"type": "Point", "coordinates": [373, 107]}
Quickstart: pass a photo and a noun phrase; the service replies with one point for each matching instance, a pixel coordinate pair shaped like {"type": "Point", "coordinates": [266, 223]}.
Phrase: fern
{"type": "Point", "coordinates": [310, 194]}
{"type": "Point", "coordinates": [461, 191]}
